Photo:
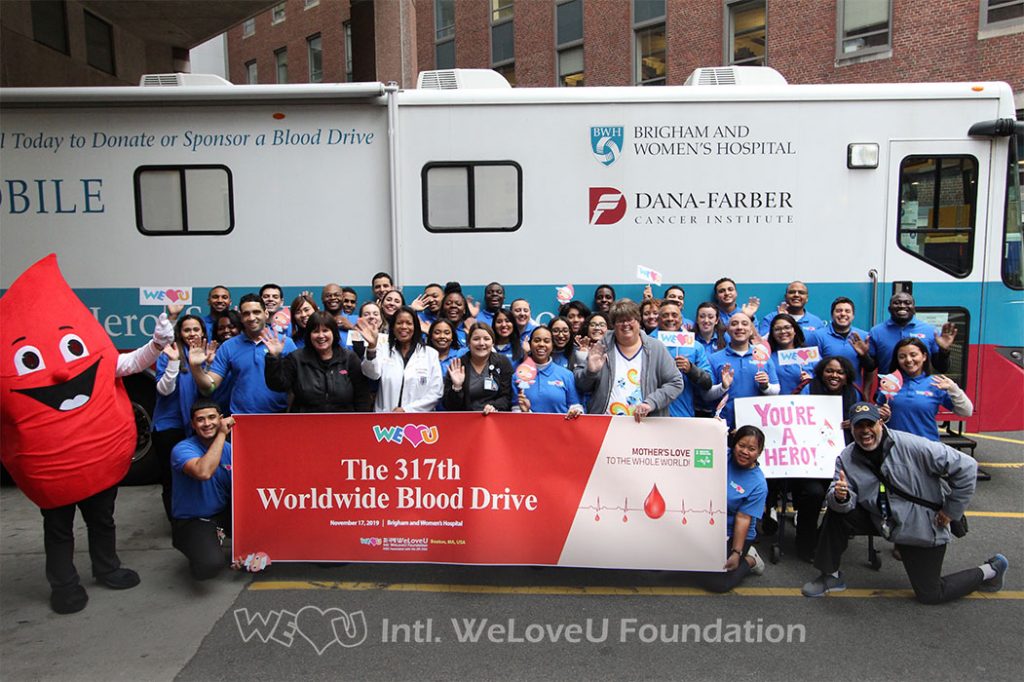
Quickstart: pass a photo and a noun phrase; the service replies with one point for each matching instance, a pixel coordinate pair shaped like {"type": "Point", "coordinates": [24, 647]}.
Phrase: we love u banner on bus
{"type": "Point", "coordinates": [462, 488]}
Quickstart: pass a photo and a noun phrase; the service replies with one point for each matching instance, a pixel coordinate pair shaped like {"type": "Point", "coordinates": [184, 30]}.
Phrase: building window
{"type": "Point", "coordinates": [281, 62]}
{"type": "Point", "coordinates": [316, 59]}
{"type": "Point", "coordinates": [938, 197]}
{"type": "Point", "coordinates": [863, 27]}
{"type": "Point", "coordinates": [508, 71]}
{"type": "Point", "coordinates": [649, 42]}
{"type": "Point", "coordinates": [444, 34]}
{"type": "Point", "coordinates": [249, 27]}
{"type": "Point", "coordinates": [177, 200]}
{"type": "Point", "coordinates": [472, 196]}
{"type": "Point", "coordinates": [502, 36]}
{"type": "Point", "coordinates": [250, 73]}
{"type": "Point", "coordinates": [745, 33]}
{"type": "Point", "coordinates": [348, 51]}
{"type": "Point", "coordinates": [99, 43]}
{"type": "Point", "coordinates": [1013, 232]}
{"type": "Point", "coordinates": [569, 42]}
{"type": "Point", "coordinates": [50, 24]}
{"type": "Point", "coordinates": [310, 3]}
{"type": "Point", "coordinates": [997, 14]}
{"type": "Point", "coordinates": [277, 14]}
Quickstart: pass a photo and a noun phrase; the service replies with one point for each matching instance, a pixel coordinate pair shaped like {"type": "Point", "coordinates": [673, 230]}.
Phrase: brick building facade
{"type": "Point", "coordinates": [537, 43]}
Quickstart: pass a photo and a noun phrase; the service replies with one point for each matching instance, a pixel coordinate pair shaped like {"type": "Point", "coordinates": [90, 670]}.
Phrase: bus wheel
{"type": "Point", "coordinates": [144, 469]}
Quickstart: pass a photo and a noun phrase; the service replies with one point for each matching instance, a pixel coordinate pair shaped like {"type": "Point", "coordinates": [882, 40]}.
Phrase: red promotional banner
{"type": "Point", "coordinates": [463, 488]}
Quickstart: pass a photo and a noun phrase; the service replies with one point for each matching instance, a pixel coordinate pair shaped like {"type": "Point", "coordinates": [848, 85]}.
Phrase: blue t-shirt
{"type": "Point", "coordinates": [506, 350]}
{"type": "Point", "coordinates": [747, 491]}
{"type": "Point", "coordinates": [831, 343]}
{"type": "Point", "coordinates": [190, 497]}
{"type": "Point", "coordinates": [809, 324]}
{"type": "Point", "coordinates": [553, 390]}
{"type": "Point", "coordinates": [242, 361]}
{"type": "Point", "coordinates": [682, 406]}
{"type": "Point", "coordinates": [524, 336]}
{"type": "Point", "coordinates": [743, 384]}
{"type": "Point", "coordinates": [886, 335]}
{"type": "Point", "coordinates": [915, 406]}
{"type": "Point", "coordinates": [188, 393]}
{"type": "Point", "coordinates": [211, 326]}
{"type": "Point", "coordinates": [486, 317]}
{"type": "Point", "coordinates": [165, 410]}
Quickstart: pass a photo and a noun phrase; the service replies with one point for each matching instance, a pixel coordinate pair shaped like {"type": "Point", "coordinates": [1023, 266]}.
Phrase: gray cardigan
{"type": "Point", "coordinates": [917, 466]}
{"type": "Point", "coordinates": [660, 381]}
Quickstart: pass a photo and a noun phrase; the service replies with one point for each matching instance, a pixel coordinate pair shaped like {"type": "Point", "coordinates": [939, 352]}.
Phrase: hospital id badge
{"type": "Point", "coordinates": [490, 384]}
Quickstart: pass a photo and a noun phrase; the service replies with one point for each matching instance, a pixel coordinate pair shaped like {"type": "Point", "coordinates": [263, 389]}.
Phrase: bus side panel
{"type": "Point", "coordinates": [310, 199]}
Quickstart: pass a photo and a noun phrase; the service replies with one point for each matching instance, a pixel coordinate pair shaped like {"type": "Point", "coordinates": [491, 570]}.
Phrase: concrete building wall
{"type": "Point", "coordinates": [24, 62]}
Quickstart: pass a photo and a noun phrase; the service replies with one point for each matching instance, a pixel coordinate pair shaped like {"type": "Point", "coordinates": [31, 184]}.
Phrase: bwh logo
{"type": "Point", "coordinates": [607, 205]}
{"type": "Point", "coordinates": [606, 143]}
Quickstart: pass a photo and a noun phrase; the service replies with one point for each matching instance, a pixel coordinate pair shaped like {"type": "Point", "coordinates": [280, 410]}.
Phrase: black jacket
{"type": "Point", "coordinates": [336, 385]}
{"type": "Point", "coordinates": [500, 369]}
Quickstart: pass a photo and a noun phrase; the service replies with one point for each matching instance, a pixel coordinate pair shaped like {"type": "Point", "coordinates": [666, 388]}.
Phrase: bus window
{"type": "Point", "coordinates": [473, 196]}
{"type": "Point", "coordinates": [958, 353]}
{"type": "Point", "coordinates": [937, 211]}
{"type": "Point", "coordinates": [1013, 269]}
{"type": "Point", "coordinates": [176, 200]}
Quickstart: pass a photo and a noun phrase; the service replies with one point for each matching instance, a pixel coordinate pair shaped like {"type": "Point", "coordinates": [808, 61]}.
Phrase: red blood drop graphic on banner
{"type": "Point", "coordinates": [654, 505]}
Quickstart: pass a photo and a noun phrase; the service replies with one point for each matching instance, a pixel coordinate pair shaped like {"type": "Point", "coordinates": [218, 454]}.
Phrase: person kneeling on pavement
{"type": "Point", "coordinates": [201, 490]}
{"type": "Point", "coordinates": [892, 484]}
{"type": "Point", "coordinates": [746, 494]}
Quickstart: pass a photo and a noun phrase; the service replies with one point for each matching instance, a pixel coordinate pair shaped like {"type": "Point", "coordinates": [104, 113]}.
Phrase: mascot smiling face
{"type": "Point", "coordinates": [67, 425]}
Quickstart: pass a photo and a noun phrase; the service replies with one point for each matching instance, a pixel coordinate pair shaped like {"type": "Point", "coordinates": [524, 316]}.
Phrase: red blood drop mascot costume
{"type": "Point", "coordinates": [68, 432]}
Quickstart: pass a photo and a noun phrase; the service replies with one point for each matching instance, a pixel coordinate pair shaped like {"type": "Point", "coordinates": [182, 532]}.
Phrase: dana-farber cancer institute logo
{"type": "Point", "coordinates": [606, 143]}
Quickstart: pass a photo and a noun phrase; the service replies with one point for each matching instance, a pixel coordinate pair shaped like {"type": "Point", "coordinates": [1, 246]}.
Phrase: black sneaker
{"type": "Point", "coordinates": [999, 564]}
{"type": "Point", "coordinates": [121, 579]}
{"type": "Point", "coordinates": [64, 600]}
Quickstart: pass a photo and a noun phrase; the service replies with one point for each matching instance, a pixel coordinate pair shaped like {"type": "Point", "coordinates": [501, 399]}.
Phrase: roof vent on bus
{"type": "Point", "coordinates": [461, 79]}
{"type": "Point", "coordinates": [175, 80]}
{"type": "Point", "coordinates": [735, 75]}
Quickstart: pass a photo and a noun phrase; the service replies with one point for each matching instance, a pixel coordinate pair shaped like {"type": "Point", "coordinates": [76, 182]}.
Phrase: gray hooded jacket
{"type": "Point", "coordinates": [917, 466]}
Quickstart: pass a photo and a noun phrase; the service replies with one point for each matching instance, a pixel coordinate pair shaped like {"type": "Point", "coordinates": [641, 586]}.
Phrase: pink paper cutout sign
{"type": "Point", "coordinates": [565, 294]}
{"type": "Point", "coordinates": [890, 384]}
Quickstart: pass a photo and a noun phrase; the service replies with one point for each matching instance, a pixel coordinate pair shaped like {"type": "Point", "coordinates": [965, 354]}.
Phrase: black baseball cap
{"type": "Point", "coordinates": [864, 412]}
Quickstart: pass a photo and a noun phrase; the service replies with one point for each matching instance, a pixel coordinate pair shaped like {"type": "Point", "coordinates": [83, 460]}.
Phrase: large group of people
{"type": "Point", "coordinates": [440, 350]}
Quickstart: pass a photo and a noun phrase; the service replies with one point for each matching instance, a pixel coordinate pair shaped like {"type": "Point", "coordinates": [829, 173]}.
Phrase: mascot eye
{"type": "Point", "coordinates": [72, 347]}
{"type": "Point", "coordinates": [28, 359]}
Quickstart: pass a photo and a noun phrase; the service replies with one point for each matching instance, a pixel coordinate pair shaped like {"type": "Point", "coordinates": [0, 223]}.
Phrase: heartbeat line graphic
{"type": "Point", "coordinates": [654, 507]}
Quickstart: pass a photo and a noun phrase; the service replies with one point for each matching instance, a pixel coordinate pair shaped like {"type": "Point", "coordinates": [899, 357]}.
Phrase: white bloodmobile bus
{"type": "Point", "coordinates": [857, 190]}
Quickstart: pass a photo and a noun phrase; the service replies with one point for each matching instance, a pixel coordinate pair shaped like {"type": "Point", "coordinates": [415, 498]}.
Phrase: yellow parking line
{"type": "Point", "coordinates": [572, 591]}
{"type": "Point", "coordinates": [1001, 465]}
{"type": "Point", "coordinates": [998, 438]}
{"type": "Point", "coordinates": [996, 515]}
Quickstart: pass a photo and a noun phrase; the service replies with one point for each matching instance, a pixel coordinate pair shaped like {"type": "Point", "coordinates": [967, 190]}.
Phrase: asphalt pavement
{"type": "Point", "coordinates": [426, 622]}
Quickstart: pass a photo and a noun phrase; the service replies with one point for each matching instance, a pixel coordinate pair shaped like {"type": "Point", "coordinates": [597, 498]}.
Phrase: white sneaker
{"type": "Point", "coordinates": [758, 567]}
